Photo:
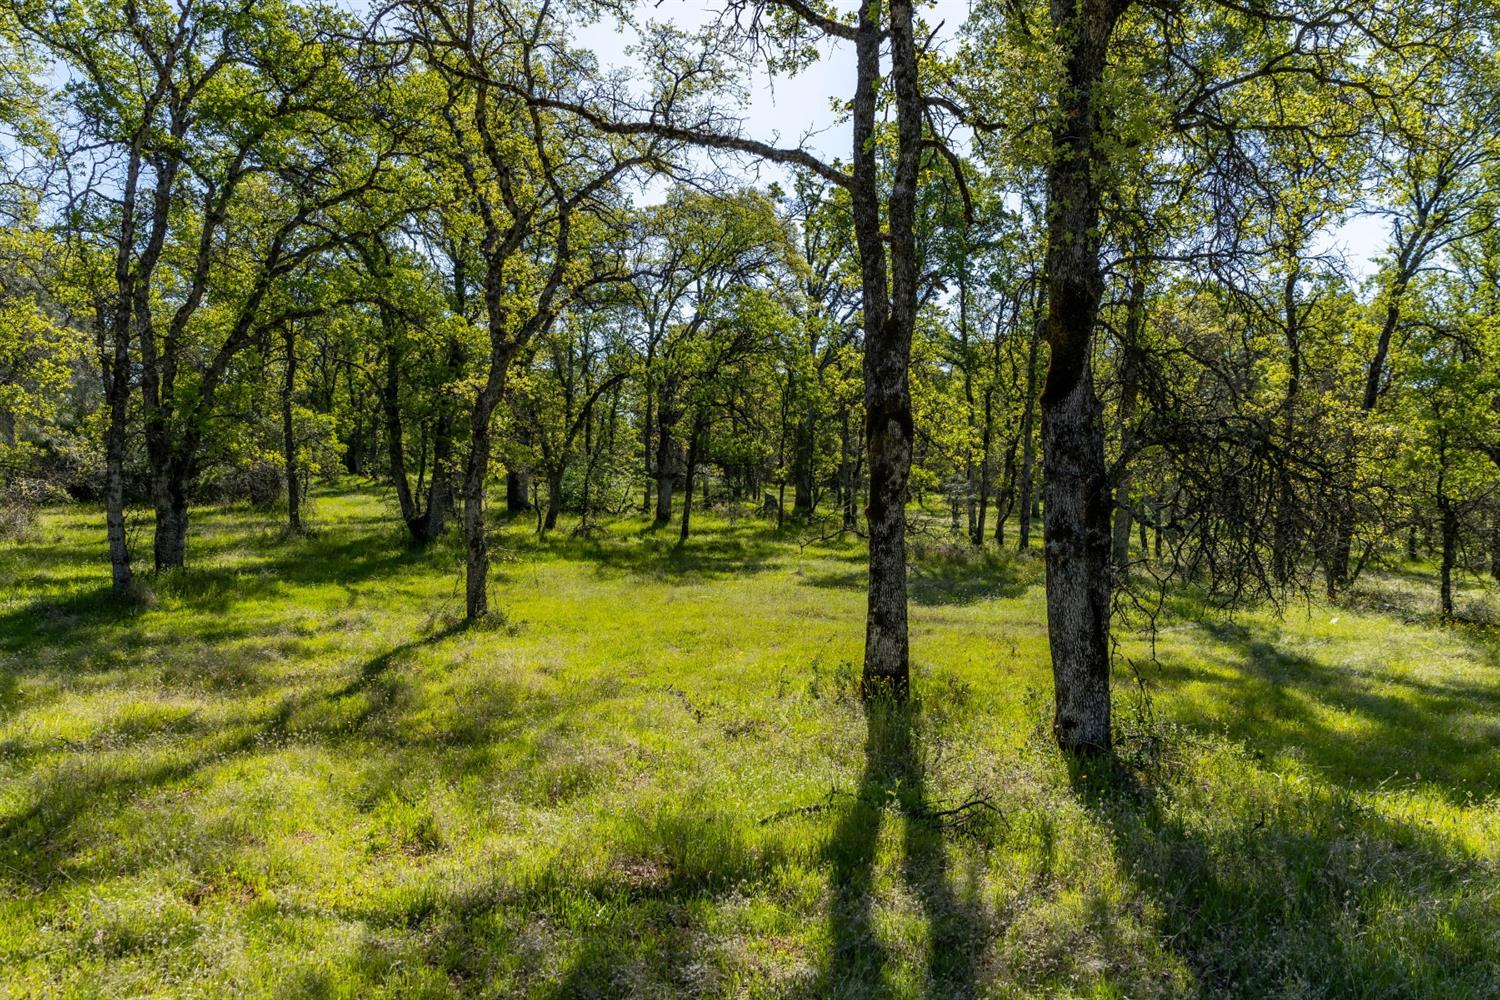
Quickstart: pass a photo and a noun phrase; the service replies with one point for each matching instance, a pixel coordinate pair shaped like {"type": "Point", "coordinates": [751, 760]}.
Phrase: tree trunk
{"type": "Point", "coordinates": [888, 333]}
{"type": "Point", "coordinates": [117, 396]}
{"type": "Point", "coordinates": [518, 481]}
{"type": "Point", "coordinates": [665, 470]}
{"type": "Point", "coordinates": [1005, 497]}
{"type": "Point", "coordinates": [1450, 554]}
{"type": "Point", "coordinates": [971, 471]}
{"type": "Point", "coordinates": [517, 491]}
{"type": "Point", "coordinates": [803, 442]}
{"type": "Point", "coordinates": [169, 496]}
{"type": "Point", "coordinates": [476, 471]}
{"type": "Point", "coordinates": [849, 477]}
{"type": "Point", "coordinates": [687, 483]}
{"type": "Point", "coordinates": [440, 487]}
{"type": "Point", "coordinates": [554, 498]}
{"type": "Point", "coordinates": [983, 500]}
{"type": "Point", "coordinates": [390, 400]}
{"type": "Point", "coordinates": [289, 434]}
{"type": "Point", "coordinates": [1078, 500]}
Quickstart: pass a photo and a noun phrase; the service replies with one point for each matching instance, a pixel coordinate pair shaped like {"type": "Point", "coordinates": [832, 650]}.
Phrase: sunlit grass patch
{"type": "Point", "coordinates": [295, 772]}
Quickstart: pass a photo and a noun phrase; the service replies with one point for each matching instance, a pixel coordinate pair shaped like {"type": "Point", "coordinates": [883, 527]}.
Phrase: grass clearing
{"type": "Point", "coordinates": [292, 773]}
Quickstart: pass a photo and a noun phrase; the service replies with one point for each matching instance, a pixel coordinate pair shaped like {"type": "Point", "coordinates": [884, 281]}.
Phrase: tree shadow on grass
{"type": "Point", "coordinates": [1404, 727]}
{"type": "Point", "coordinates": [637, 925]}
{"type": "Point", "coordinates": [1299, 891]}
{"type": "Point", "coordinates": [895, 780]}
{"type": "Point", "coordinates": [85, 616]}
{"type": "Point", "coordinates": [39, 838]}
{"type": "Point", "coordinates": [66, 618]}
{"type": "Point", "coordinates": [709, 555]}
{"type": "Point", "coordinates": [934, 579]}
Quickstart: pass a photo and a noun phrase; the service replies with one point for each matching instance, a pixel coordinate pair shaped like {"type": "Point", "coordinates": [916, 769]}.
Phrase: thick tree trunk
{"type": "Point", "coordinates": [976, 538]}
{"type": "Point", "coordinates": [476, 472]}
{"type": "Point", "coordinates": [518, 482]}
{"type": "Point", "coordinates": [390, 402]}
{"type": "Point", "coordinates": [889, 437]}
{"type": "Point", "coordinates": [1077, 558]}
{"type": "Point", "coordinates": [117, 396]}
{"type": "Point", "coordinates": [169, 497]}
{"type": "Point", "coordinates": [1078, 500]}
{"type": "Point", "coordinates": [694, 443]}
{"type": "Point", "coordinates": [665, 475]}
{"type": "Point", "coordinates": [1450, 555]}
{"type": "Point", "coordinates": [289, 435]}
{"type": "Point", "coordinates": [888, 332]}
{"type": "Point", "coordinates": [440, 487]}
{"type": "Point", "coordinates": [517, 491]}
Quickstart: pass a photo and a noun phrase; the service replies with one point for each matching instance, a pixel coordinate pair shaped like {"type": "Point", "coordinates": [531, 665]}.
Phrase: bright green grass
{"type": "Point", "coordinates": [295, 776]}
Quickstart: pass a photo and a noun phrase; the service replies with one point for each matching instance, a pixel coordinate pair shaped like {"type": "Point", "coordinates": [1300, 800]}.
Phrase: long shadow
{"type": "Point", "coordinates": [1408, 727]}
{"type": "Point", "coordinates": [347, 556]}
{"type": "Point", "coordinates": [644, 931]}
{"type": "Point", "coordinates": [1297, 890]}
{"type": "Point", "coordinates": [40, 837]}
{"type": "Point", "coordinates": [895, 777]}
{"type": "Point", "coordinates": [935, 581]}
{"type": "Point", "coordinates": [373, 683]}
{"type": "Point", "coordinates": [709, 555]}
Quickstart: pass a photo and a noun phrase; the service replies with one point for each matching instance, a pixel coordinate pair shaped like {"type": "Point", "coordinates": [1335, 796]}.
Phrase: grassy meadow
{"type": "Point", "coordinates": [291, 772]}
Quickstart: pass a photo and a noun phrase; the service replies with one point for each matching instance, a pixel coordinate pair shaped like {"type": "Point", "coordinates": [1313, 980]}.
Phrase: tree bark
{"type": "Point", "coordinates": [694, 443]}
{"type": "Point", "coordinates": [803, 460]}
{"type": "Point", "coordinates": [971, 471]}
{"type": "Point", "coordinates": [1450, 554]}
{"type": "Point", "coordinates": [116, 367]}
{"type": "Point", "coordinates": [390, 401]}
{"type": "Point", "coordinates": [849, 476]}
{"type": "Point", "coordinates": [665, 467]}
{"type": "Point", "coordinates": [289, 433]}
{"type": "Point", "coordinates": [518, 481]}
{"type": "Point", "coordinates": [1078, 500]}
{"type": "Point", "coordinates": [976, 538]}
{"type": "Point", "coordinates": [889, 320]}
{"type": "Point", "coordinates": [517, 491]}
{"type": "Point", "coordinates": [1288, 510]}
{"type": "Point", "coordinates": [476, 472]}
{"type": "Point", "coordinates": [1005, 497]}
{"type": "Point", "coordinates": [169, 498]}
